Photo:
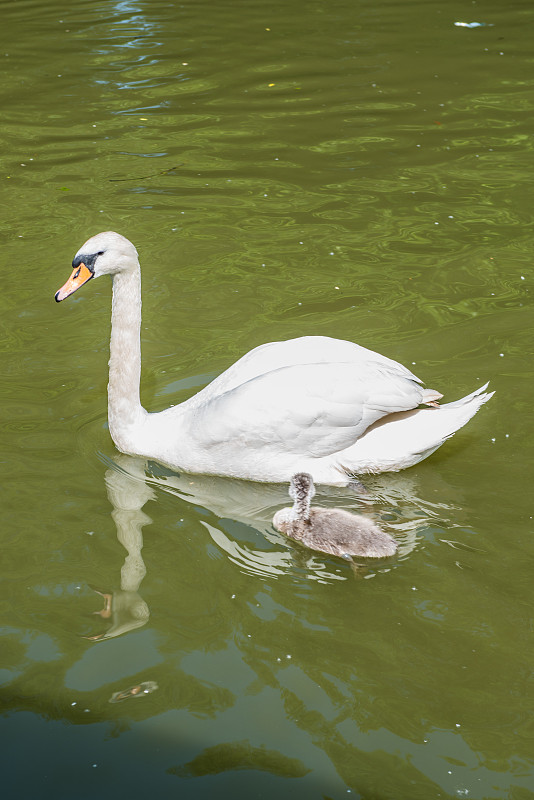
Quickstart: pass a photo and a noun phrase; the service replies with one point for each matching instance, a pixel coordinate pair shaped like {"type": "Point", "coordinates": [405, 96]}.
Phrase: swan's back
{"type": "Point", "coordinates": [303, 350]}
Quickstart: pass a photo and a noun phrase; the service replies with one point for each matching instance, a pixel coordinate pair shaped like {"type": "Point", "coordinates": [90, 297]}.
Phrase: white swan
{"type": "Point", "coordinates": [314, 404]}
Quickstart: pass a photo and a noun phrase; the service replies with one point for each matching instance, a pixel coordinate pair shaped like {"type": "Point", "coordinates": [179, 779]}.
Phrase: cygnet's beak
{"type": "Point", "coordinates": [80, 275]}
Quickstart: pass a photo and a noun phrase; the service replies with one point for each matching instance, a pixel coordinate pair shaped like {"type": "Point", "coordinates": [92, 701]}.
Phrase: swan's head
{"type": "Point", "coordinates": [104, 254]}
{"type": "Point", "coordinates": [301, 486]}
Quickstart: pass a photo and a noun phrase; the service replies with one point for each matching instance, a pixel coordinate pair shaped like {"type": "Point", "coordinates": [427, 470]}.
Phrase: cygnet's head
{"type": "Point", "coordinates": [300, 486]}
{"type": "Point", "coordinates": [104, 254]}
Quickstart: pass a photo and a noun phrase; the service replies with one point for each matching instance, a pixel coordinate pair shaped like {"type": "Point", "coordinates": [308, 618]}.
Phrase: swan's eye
{"type": "Point", "coordinates": [100, 253]}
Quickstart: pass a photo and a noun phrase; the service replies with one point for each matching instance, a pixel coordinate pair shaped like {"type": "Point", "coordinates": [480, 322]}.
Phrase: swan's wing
{"type": "Point", "coordinates": [407, 438]}
{"type": "Point", "coordinates": [296, 352]}
{"type": "Point", "coordinates": [312, 409]}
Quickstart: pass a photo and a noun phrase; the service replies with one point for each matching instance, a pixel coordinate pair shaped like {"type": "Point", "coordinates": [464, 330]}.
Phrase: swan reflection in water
{"type": "Point", "coordinates": [244, 528]}
{"type": "Point", "coordinates": [125, 607]}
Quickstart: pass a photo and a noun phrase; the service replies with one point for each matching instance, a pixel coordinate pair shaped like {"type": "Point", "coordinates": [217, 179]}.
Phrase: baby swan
{"type": "Point", "coordinates": [330, 530]}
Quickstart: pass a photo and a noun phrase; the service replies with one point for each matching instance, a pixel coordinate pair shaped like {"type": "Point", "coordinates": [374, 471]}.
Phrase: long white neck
{"type": "Point", "coordinates": [124, 405]}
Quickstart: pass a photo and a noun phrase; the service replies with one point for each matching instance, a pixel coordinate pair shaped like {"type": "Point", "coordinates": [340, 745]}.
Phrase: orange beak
{"type": "Point", "coordinates": [80, 275]}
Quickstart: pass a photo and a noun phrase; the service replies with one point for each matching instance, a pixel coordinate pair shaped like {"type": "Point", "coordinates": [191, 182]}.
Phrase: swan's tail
{"type": "Point", "coordinates": [403, 439]}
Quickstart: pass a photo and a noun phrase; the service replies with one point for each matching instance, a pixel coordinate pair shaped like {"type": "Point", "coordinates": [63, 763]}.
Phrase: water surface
{"type": "Point", "coordinates": [355, 169]}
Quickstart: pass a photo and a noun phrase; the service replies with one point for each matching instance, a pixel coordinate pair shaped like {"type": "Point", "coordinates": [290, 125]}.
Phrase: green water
{"type": "Point", "coordinates": [358, 169]}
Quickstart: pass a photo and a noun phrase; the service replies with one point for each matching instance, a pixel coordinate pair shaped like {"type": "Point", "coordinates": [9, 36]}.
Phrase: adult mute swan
{"type": "Point", "coordinates": [330, 530]}
{"type": "Point", "coordinates": [315, 404]}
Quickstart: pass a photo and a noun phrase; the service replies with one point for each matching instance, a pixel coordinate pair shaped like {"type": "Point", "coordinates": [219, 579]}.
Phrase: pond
{"type": "Point", "coordinates": [354, 169]}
